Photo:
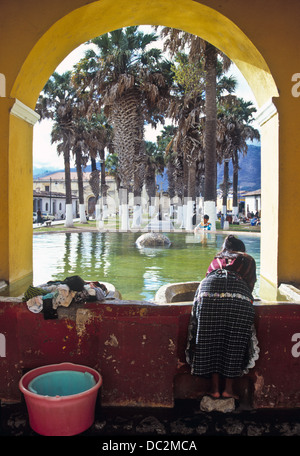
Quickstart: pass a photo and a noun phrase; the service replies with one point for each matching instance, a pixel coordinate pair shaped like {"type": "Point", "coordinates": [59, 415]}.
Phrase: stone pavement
{"type": "Point", "coordinates": [186, 420]}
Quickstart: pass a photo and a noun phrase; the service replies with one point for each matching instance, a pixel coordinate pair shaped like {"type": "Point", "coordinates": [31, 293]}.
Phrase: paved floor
{"type": "Point", "coordinates": [185, 422]}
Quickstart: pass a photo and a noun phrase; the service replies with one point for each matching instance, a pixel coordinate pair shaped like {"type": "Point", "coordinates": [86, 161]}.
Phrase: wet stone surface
{"type": "Point", "coordinates": [185, 419]}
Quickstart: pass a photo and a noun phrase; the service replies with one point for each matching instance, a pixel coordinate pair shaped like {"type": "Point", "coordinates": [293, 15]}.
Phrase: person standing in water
{"type": "Point", "coordinates": [205, 225]}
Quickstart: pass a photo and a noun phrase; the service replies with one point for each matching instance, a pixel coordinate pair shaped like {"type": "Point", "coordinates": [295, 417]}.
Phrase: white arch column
{"type": "Point", "coordinates": [268, 119]}
{"type": "Point", "coordinates": [16, 189]}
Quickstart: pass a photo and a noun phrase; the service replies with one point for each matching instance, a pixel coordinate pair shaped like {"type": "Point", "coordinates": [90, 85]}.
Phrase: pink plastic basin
{"type": "Point", "coordinates": [60, 415]}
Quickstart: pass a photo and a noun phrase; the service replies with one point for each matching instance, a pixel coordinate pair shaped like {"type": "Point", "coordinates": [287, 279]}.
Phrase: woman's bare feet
{"type": "Point", "coordinates": [228, 391]}
{"type": "Point", "coordinates": [214, 394]}
{"type": "Point", "coordinates": [227, 395]}
{"type": "Point", "coordinates": [215, 386]}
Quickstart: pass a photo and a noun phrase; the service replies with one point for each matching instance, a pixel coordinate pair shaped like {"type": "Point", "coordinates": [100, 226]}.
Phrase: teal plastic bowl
{"type": "Point", "coordinates": [61, 383]}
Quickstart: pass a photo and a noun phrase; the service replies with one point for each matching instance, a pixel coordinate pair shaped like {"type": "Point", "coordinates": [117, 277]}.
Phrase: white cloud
{"type": "Point", "coordinates": [44, 153]}
{"type": "Point", "coordinates": [72, 58]}
{"type": "Point", "coordinates": [243, 90]}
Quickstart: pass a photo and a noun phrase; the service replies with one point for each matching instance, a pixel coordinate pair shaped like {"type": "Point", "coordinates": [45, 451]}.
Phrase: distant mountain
{"type": "Point", "coordinates": [249, 178]}
{"type": "Point", "coordinates": [42, 172]}
{"type": "Point", "coordinates": [250, 170]}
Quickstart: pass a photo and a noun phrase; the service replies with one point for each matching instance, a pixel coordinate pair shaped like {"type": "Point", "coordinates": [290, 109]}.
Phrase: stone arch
{"type": "Point", "coordinates": [67, 28]}
{"type": "Point", "coordinates": [96, 18]}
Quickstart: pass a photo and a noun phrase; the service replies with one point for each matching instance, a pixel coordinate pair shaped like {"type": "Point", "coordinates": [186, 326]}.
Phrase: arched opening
{"type": "Point", "coordinates": [97, 18]}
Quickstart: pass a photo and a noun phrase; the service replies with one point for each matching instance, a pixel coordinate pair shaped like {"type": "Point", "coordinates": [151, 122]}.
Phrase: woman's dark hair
{"type": "Point", "coordinates": [231, 246]}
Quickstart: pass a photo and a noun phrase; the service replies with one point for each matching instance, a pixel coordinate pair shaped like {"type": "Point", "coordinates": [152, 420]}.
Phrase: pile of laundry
{"type": "Point", "coordinates": [48, 297]}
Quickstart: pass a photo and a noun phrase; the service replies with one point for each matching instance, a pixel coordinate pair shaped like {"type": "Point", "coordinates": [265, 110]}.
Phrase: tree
{"type": "Point", "coordinates": [96, 131]}
{"type": "Point", "coordinates": [57, 103]}
{"type": "Point", "coordinates": [154, 165]}
{"type": "Point", "coordinates": [234, 130]}
{"type": "Point", "coordinates": [200, 50]}
{"type": "Point", "coordinates": [81, 157]}
{"type": "Point", "coordinates": [112, 164]}
{"type": "Point", "coordinates": [186, 110]}
{"type": "Point", "coordinates": [165, 147]}
{"type": "Point", "coordinates": [131, 82]}
{"type": "Point", "coordinates": [99, 139]}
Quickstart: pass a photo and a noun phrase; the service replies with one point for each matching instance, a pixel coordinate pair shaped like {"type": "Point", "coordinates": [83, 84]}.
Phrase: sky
{"type": "Point", "coordinates": [45, 154]}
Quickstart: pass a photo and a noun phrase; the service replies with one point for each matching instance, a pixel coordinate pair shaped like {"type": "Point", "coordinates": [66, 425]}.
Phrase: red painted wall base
{"type": "Point", "coordinates": [139, 348]}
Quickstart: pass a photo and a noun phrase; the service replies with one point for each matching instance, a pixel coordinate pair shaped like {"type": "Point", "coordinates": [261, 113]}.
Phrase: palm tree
{"type": "Point", "coordinates": [95, 130]}
{"type": "Point", "coordinates": [131, 82]}
{"type": "Point", "coordinates": [165, 147]}
{"type": "Point", "coordinates": [99, 139]}
{"type": "Point", "coordinates": [200, 50]}
{"type": "Point", "coordinates": [155, 164]}
{"type": "Point", "coordinates": [112, 165]}
{"type": "Point", "coordinates": [234, 130]}
{"type": "Point", "coordinates": [175, 166]}
{"type": "Point", "coordinates": [186, 109]}
{"type": "Point", "coordinates": [57, 103]}
{"type": "Point", "coordinates": [81, 157]}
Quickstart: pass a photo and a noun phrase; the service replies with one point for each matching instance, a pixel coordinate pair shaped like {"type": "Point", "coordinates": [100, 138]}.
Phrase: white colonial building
{"type": "Point", "coordinates": [252, 201]}
{"type": "Point", "coordinates": [49, 194]}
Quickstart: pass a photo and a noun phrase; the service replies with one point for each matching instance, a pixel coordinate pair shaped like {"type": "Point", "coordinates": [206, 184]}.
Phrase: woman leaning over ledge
{"type": "Point", "coordinates": [221, 335]}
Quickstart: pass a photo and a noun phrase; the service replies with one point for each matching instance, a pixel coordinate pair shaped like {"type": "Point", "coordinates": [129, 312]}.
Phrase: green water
{"type": "Point", "coordinates": [114, 257]}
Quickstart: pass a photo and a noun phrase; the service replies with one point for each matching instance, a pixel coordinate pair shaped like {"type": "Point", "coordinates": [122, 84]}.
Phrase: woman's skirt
{"type": "Point", "coordinates": [221, 335]}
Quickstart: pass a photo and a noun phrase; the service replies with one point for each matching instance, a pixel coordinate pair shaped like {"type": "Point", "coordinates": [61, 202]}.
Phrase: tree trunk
{"type": "Point", "coordinates": [80, 185]}
{"type": "Point", "coordinates": [235, 161]}
{"type": "Point", "coordinates": [150, 183]}
{"type": "Point", "coordinates": [127, 121]}
{"type": "Point", "coordinates": [191, 196]}
{"type": "Point", "coordinates": [103, 184]}
{"type": "Point", "coordinates": [225, 186]}
{"type": "Point", "coordinates": [69, 210]}
{"type": "Point", "coordinates": [103, 174]}
{"type": "Point", "coordinates": [192, 182]}
{"type": "Point", "coordinates": [137, 195]}
{"type": "Point", "coordinates": [93, 164]}
{"type": "Point", "coordinates": [210, 184]}
{"type": "Point", "coordinates": [124, 214]}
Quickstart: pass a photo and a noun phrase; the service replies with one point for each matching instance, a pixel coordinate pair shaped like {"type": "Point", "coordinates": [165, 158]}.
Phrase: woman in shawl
{"type": "Point", "coordinates": [221, 336]}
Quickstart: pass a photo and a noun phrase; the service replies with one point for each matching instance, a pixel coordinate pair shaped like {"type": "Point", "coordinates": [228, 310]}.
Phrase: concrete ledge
{"type": "Point", "coordinates": [139, 349]}
{"type": "Point", "coordinates": [291, 293]}
{"type": "Point", "coordinates": [176, 292]}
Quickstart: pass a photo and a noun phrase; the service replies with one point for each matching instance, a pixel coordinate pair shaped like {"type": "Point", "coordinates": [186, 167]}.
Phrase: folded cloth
{"type": "Point", "coordinates": [48, 311]}
{"type": "Point", "coordinates": [63, 296]}
{"type": "Point", "coordinates": [101, 286]}
{"type": "Point", "coordinates": [49, 288]}
{"type": "Point", "coordinates": [91, 290]}
{"type": "Point", "coordinates": [35, 304]}
{"type": "Point", "coordinates": [94, 292]}
{"type": "Point", "coordinates": [100, 294]}
{"type": "Point", "coordinates": [33, 291]}
{"type": "Point", "coordinates": [75, 283]}
{"type": "Point", "coordinates": [49, 295]}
